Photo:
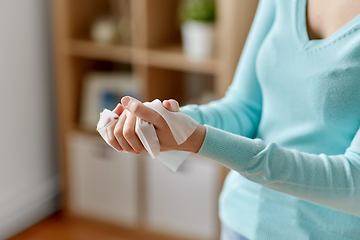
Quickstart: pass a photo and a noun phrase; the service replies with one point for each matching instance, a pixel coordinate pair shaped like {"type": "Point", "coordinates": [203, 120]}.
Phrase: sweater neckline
{"type": "Point", "coordinates": [302, 33]}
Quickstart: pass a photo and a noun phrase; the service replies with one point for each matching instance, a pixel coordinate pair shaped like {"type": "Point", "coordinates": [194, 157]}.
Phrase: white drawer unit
{"type": "Point", "coordinates": [183, 203]}
{"type": "Point", "coordinates": [103, 183]}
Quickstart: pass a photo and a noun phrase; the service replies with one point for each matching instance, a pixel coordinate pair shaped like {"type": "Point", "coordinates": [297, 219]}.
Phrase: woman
{"type": "Point", "coordinates": [288, 126]}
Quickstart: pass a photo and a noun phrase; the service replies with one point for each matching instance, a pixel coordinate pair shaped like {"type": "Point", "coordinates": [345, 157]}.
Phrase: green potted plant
{"type": "Point", "coordinates": [197, 19]}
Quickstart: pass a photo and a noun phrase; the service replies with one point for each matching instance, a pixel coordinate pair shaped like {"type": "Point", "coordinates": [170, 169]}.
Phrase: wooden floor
{"type": "Point", "coordinates": [58, 227]}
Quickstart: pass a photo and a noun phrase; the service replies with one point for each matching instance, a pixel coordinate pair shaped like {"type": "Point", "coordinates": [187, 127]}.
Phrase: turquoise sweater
{"type": "Point", "coordinates": [288, 128]}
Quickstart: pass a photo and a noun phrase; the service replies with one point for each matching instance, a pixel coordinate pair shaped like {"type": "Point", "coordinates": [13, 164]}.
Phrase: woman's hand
{"type": "Point", "coordinates": [121, 134]}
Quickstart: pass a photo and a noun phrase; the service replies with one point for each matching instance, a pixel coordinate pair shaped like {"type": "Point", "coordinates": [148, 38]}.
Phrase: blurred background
{"type": "Point", "coordinates": [61, 63]}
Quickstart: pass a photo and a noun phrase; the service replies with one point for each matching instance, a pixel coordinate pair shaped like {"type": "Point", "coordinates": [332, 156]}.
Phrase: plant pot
{"type": "Point", "coordinates": [198, 40]}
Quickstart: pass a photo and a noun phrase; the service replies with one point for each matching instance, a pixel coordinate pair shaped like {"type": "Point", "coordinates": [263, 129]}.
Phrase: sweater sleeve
{"type": "Point", "coordinates": [331, 181]}
{"type": "Point", "coordinates": [240, 110]}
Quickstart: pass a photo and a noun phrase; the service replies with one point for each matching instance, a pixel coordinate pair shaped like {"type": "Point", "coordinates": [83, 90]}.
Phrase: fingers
{"type": "Point", "coordinates": [111, 137]}
{"type": "Point", "coordinates": [140, 110]}
{"type": "Point", "coordinates": [130, 135]}
{"type": "Point", "coordinates": [171, 105]}
{"type": "Point", "coordinates": [119, 109]}
{"type": "Point", "coordinates": [118, 134]}
{"type": "Point", "coordinates": [122, 136]}
{"type": "Point", "coordinates": [115, 135]}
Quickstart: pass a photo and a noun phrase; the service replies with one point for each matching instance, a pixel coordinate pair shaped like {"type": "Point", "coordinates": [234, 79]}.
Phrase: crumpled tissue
{"type": "Point", "coordinates": [180, 124]}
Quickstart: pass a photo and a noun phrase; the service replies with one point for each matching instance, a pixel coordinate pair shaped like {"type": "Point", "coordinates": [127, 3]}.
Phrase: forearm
{"type": "Point", "coordinates": [231, 114]}
{"type": "Point", "coordinates": [332, 181]}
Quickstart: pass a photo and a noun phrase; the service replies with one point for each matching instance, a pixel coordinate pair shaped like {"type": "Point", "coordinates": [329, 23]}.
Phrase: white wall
{"type": "Point", "coordinates": [28, 167]}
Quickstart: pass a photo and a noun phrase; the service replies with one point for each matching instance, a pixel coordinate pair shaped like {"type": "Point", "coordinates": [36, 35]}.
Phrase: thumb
{"type": "Point", "coordinates": [171, 105]}
{"type": "Point", "coordinates": [141, 111]}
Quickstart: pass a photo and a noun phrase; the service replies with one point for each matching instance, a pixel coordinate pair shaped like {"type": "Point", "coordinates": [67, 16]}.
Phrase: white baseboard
{"type": "Point", "coordinates": [29, 207]}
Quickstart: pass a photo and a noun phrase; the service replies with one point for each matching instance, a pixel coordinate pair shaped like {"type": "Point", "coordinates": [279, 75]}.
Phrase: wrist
{"type": "Point", "coordinates": [195, 141]}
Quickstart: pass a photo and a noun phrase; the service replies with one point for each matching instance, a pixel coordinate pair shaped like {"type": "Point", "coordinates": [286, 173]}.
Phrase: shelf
{"type": "Point", "coordinates": [172, 57]}
{"type": "Point", "coordinates": [169, 57]}
{"type": "Point", "coordinates": [91, 50]}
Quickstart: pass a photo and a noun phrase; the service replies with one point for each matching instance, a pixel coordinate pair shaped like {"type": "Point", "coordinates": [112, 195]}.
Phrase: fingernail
{"type": "Point", "coordinates": [125, 101]}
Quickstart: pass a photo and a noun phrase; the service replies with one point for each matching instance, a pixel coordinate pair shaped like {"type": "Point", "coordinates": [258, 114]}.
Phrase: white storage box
{"type": "Point", "coordinates": [103, 183]}
{"type": "Point", "coordinates": [184, 203]}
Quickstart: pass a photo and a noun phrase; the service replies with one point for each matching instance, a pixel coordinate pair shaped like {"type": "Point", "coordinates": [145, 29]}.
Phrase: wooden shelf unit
{"type": "Point", "coordinates": [154, 54]}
